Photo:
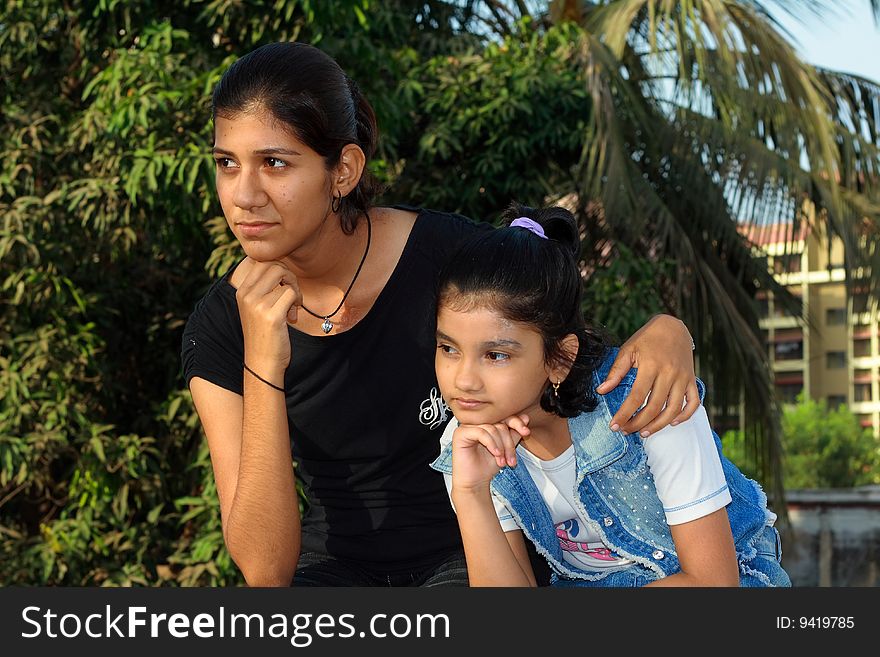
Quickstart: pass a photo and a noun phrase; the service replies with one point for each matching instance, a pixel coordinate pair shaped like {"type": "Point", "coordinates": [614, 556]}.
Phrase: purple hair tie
{"type": "Point", "coordinates": [528, 224]}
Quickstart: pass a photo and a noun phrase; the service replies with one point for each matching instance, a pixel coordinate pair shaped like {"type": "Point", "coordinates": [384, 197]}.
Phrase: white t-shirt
{"type": "Point", "coordinates": [687, 475]}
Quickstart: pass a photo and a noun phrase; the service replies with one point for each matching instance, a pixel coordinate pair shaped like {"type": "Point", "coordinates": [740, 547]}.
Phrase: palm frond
{"type": "Point", "coordinates": [709, 95]}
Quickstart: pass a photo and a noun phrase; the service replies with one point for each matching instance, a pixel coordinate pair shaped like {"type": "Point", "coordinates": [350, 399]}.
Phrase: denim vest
{"type": "Point", "coordinates": [616, 491]}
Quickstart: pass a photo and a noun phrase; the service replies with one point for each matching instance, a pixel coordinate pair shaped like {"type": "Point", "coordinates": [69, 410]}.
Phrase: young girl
{"type": "Point", "coordinates": [530, 455]}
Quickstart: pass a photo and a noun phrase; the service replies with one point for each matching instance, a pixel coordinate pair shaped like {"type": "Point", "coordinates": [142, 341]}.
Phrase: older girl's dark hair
{"type": "Point", "coordinates": [536, 282]}
{"type": "Point", "coordinates": [306, 91]}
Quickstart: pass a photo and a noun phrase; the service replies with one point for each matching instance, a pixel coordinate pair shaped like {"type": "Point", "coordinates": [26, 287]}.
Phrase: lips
{"type": "Point", "coordinates": [469, 404]}
{"type": "Point", "coordinates": [253, 229]}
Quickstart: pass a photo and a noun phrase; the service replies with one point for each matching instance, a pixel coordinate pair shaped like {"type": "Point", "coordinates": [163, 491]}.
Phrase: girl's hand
{"type": "Point", "coordinates": [267, 298]}
{"type": "Point", "coordinates": [479, 451]}
{"type": "Point", "coordinates": [662, 350]}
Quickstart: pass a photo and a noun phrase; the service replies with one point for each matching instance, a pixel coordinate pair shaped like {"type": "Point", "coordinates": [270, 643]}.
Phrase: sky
{"type": "Point", "coordinates": [846, 39]}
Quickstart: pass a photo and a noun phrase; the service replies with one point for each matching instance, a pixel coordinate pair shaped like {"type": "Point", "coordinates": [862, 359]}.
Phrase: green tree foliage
{"type": "Point", "coordinates": [824, 448]}
{"type": "Point", "coordinates": [111, 231]}
{"type": "Point", "coordinates": [621, 296]}
{"type": "Point", "coordinates": [105, 187]}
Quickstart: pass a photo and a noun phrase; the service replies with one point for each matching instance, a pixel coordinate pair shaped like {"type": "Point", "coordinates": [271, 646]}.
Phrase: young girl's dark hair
{"type": "Point", "coordinates": [532, 281]}
{"type": "Point", "coordinates": [306, 91]}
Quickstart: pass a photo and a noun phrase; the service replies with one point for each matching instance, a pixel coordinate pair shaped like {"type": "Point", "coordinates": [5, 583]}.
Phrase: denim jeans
{"type": "Point", "coordinates": [315, 569]}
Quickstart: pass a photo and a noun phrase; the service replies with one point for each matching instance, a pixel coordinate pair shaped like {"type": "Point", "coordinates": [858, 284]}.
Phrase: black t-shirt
{"type": "Point", "coordinates": [364, 409]}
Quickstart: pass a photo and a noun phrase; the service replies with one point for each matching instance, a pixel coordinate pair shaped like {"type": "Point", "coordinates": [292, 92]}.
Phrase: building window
{"type": "Point", "coordinates": [835, 316]}
{"type": "Point", "coordinates": [788, 392]}
{"type": "Point", "coordinates": [788, 344]}
{"type": "Point", "coordinates": [789, 350]}
{"type": "Point", "coordinates": [865, 421]}
{"type": "Point", "coordinates": [861, 347]}
{"type": "Point", "coordinates": [835, 401]}
{"type": "Point", "coordinates": [862, 376]}
{"type": "Point", "coordinates": [834, 360]}
{"type": "Point", "coordinates": [860, 302]}
{"type": "Point", "coordinates": [862, 392]}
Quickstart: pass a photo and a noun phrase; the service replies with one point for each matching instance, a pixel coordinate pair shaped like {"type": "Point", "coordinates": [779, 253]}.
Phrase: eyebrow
{"type": "Point", "coordinates": [489, 344]}
{"type": "Point", "coordinates": [442, 336]}
{"type": "Point", "coordinates": [503, 342]}
{"type": "Point", "coordinates": [262, 151]}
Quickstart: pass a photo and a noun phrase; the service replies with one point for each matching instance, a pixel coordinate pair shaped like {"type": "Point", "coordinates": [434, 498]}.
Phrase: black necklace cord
{"type": "Point", "coordinates": [354, 278]}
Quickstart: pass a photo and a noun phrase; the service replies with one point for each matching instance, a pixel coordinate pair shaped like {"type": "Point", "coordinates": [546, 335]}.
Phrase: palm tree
{"type": "Point", "coordinates": [702, 118]}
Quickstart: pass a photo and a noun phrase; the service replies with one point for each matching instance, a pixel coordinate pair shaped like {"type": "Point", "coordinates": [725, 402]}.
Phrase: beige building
{"type": "Point", "coordinates": [836, 357]}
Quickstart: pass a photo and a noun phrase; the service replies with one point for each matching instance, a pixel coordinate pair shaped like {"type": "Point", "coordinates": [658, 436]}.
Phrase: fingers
{"type": "Point", "coordinates": [265, 297]}
{"type": "Point", "coordinates": [674, 403]}
{"type": "Point", "coordinates": [622, 364]}
{"type": "Point", "coordinates": [469, 436]}
{"type": "Point", "coordinates": [692, 395]}
{"type": "Point", "coordinates": [282, 301]}
{"type": "Point", "coordinates": [519, 423]}
{"type": "Point", "coordinates": [509, 440]}
{"type": "Point", "coordinates": [288, 298]}
{"type": "Point", "coordinates": [641, 388]}
{"type": "Point", "coordinates": [503, 447]}
{"type": "Point", "coordinates": [273, 288]}
{"type": "Point", "coordinates": [264, 277]}
{"type": "Point", "coordinates": [664, 372]}
{"type": "Point", "coordinates": [654, 404]}
{"type": "Point", "coordinates": [498, 440]}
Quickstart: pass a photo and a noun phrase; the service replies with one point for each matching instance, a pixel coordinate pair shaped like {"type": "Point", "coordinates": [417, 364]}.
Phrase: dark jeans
{"type": "Point", "coordinates": [315, 569]}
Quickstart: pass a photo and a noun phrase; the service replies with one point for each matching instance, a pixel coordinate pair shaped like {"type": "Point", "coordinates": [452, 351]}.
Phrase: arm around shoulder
{"type": "Point", "coordinates": [665, 387]}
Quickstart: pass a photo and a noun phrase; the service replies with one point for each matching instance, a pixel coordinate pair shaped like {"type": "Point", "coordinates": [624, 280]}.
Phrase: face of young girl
{"type": "Point", "coordinates": [488, 368]}
{"type": "Point", "coordinates": [274, 190]}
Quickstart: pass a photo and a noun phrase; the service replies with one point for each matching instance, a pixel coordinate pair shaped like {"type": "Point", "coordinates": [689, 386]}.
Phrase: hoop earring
{"type": "Point", "coordinates": [556, 388]}
{"type": "Point", "coordinates": [336, 201]}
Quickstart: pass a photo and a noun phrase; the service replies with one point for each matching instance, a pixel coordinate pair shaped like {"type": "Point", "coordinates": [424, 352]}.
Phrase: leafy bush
{"type": "Point", "coordinates": [824, 448]}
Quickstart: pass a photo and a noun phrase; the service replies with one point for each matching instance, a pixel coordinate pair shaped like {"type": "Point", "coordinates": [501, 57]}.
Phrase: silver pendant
{"type": "Point", "coordinates": [327, 326]}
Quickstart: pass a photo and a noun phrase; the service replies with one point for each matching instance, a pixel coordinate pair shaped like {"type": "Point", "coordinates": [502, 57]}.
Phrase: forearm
{"type": "Point", "coordinates": [684, 579]}
{"type": "Point", "coordinates": [705, 551]}
{"type": "Point", "coordinates": [490, 560]}
{"type": "Point", "coordinates": [263, 527]}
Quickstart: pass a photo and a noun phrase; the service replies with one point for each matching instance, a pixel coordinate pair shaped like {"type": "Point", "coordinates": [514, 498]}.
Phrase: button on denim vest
{"type": "Point", "coordinates": [617, 492]}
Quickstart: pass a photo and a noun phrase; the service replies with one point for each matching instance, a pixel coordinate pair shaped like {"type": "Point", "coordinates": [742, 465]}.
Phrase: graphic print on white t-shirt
{"type": "Point", "coordinates": [568, 533]}
{"type": "Point", "coordinates": [581, 544]}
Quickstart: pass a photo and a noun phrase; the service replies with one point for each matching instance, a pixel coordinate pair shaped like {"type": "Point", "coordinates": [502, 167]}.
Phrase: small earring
{"type": "Point", "coordinates": [556, 389]}
{"type": "Point", "coordinates": [336, 201]}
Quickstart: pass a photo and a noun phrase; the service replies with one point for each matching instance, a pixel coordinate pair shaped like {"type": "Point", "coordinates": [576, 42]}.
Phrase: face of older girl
{"type": "Point", "coordinates": [274, 190]}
